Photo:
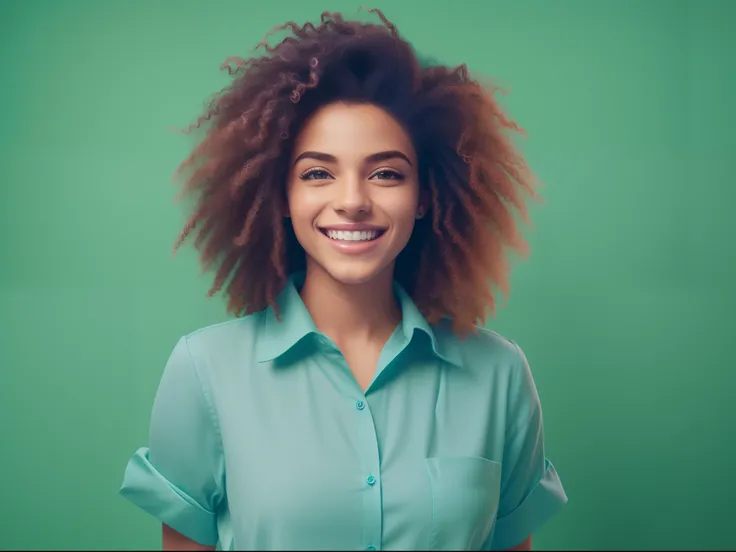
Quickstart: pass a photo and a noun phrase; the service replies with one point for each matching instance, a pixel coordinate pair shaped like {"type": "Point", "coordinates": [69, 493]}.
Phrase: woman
{"type": "Point", "coordinates": [356, 207]}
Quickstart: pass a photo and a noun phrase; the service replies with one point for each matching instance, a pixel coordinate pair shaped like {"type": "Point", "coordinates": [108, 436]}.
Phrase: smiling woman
{"type": "Point", "coordinates": [356, 207]}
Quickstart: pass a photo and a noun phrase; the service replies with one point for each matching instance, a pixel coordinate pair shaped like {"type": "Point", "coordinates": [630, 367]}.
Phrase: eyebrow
{"type": "Point", "coordinates": [372, 158]}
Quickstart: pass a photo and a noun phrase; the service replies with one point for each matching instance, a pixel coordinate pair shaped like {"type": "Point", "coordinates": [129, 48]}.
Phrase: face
{"type": "Point", "coordinates": [353, 192]}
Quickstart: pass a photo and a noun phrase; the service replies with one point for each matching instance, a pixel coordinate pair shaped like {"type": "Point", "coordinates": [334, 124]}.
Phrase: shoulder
{"type": "Point", "coordinates": [224, 343]}
{"type": "Point", "coordinates": [225, 332]}
{"type": "Point", "coordinates": [499, 375]}
{"type": "Point", "coordinates": [494, 371]}
{"type": "Point", "coordinates": [482, 349]}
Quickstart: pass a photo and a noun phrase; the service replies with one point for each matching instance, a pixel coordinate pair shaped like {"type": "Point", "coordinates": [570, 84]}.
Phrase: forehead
{"type": "Point", "coordinates": [351, 131]}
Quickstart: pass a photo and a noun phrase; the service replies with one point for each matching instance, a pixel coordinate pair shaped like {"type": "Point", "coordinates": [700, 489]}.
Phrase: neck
{"type": "Point", "coordinates": [364, 312]}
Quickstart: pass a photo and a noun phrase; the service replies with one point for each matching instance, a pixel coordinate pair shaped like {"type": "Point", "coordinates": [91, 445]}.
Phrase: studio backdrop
{"type": "Point", "coordinates": [625, 306]}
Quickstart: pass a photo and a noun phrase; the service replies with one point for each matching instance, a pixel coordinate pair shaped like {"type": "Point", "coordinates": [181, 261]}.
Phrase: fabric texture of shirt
{"type": "Point", "coordinates": [261, 439]}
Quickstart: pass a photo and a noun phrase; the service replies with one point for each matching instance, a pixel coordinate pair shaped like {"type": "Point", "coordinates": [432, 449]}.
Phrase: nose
{"type": "Point", "coordinates": [352, 197]}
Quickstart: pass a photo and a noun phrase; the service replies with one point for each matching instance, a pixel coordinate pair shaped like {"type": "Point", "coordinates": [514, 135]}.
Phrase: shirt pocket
{"type": "Point", "coordinates": [465, 492]}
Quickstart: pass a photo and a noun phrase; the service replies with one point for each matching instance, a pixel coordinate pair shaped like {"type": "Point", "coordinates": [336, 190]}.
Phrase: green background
{"type": "Point", "coordinates": [625, 307]}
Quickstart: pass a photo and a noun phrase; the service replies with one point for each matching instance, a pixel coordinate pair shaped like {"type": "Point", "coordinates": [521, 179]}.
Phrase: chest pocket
{"type": "Point", "coordinates": [465, 492]}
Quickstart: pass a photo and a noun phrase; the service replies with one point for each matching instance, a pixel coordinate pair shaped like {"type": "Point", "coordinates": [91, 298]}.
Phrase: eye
{"type": "Point", "coordinates": [315, 174]}
{"type": "Point", "coordinates": [387, 174]}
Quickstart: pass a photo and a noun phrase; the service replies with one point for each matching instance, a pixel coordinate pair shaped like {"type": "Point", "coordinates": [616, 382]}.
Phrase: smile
{"type": "Point", "coordinates": [352, 235]}
{"type": "Point", "coordinates": [354, 241]}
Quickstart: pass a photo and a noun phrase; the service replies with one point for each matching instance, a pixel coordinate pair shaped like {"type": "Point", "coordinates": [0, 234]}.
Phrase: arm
{"type": "Point", "coordinates": [180, 477]}
{"type": "Point", "coordinates": [173, 540]}
{"type": "Point", "coordinates": [531, 492]}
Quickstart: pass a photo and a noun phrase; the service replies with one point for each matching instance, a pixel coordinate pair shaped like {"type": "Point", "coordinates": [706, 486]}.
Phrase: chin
{"type": "Point", "coordinates": [353, 275]}
{"type": "Point", "coordinates": [355, 272]}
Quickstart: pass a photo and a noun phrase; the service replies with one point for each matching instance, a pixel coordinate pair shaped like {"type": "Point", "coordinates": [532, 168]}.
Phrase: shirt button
{"type": "Point", "coordinates": [360, 405]}
{"type": "Point", "coordinates": [370, 480]}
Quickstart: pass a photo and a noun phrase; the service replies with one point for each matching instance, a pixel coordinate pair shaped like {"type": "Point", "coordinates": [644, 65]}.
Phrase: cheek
{"type": "Point", "coordinates": [302, 209]}
{"type": "Point", "coordinates": [402, 214]}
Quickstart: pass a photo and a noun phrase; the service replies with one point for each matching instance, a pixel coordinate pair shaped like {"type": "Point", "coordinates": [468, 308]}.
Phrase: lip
{"type": "Point", "coordinates": [356, 247]}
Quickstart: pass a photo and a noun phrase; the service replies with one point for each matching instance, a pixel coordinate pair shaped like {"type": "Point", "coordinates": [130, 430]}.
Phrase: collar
{"type": "Point", "coordinates": [277, 336]}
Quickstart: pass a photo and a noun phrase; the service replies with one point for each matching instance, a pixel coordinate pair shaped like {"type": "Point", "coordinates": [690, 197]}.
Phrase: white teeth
{"type": "Point", "coordinates": [344, 235]}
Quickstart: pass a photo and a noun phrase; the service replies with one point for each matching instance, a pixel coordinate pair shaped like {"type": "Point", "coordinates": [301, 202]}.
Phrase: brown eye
{"type": "Point", "coordinates": [315, 174]}
{"type": "Point", "coordinates": [388, 174]}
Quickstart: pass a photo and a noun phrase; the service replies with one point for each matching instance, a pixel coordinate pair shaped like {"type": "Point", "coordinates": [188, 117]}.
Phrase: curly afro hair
{"type": "Point", "coordinates": [475, 179]}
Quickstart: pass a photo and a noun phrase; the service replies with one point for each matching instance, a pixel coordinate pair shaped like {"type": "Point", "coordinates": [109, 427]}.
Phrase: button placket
{"type": "Point", "coordinates": [371, 469]}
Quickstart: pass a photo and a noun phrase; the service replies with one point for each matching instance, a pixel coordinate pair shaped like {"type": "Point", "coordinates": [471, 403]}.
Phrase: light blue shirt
{"type": "Point", "coordinates": [261, 439]}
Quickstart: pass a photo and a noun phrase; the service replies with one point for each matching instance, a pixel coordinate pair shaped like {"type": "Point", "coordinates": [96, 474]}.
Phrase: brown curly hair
{"type": "Point", "coordinates": [474, 177]}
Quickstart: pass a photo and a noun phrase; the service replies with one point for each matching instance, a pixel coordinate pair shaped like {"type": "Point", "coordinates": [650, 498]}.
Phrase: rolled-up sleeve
{"type": "Point", "coordinates": [531, 491]}
{"type": "Point", "coordinates": [179, 477]}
